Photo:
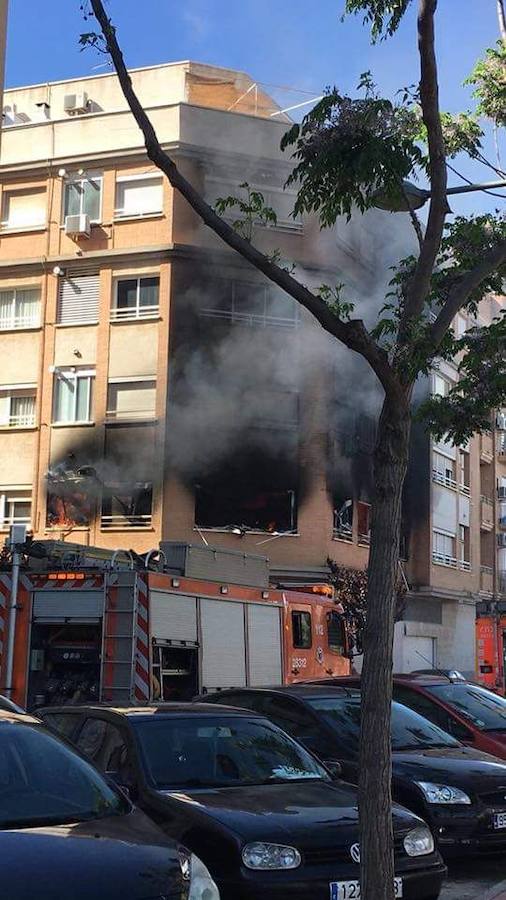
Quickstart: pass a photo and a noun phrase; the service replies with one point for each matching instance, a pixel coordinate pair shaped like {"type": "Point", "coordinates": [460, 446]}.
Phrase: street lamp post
{"type": "Point", "coordinates": [411, 197]}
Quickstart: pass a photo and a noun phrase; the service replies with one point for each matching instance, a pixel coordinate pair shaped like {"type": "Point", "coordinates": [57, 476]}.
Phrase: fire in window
{"type": "Point", "coordinates": [71, 494]}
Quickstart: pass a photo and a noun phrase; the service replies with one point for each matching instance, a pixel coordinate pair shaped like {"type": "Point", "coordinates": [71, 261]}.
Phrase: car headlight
{"type": "Point", "coordinates": [270, 856]}
{"type": "Point", "coordinates": [419, 842]}
{"type": "Point", "coordinates": [443, 794]}
{"type": "Point", "coordinates": [202, 886]}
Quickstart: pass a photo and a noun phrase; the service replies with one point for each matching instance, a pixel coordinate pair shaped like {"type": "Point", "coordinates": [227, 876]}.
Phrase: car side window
{"type": "Point", "coordinates": [297, 722]}
{"type": "Point", "coordinates": [113, 755]}
{"type": "Point", "coordinates": [64, 724]}
{"type": "Point", "coordinates": [244, 701]}
{"type": "Point", "coordinates": [91, 738]}
{"type": "Point", "coordinates": [431, 711]}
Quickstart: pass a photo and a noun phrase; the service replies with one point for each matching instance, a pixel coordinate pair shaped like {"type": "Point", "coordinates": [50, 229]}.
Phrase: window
{"type": "Point", "coordinates": [131, 399]}
{"type": "Point", "coordinates": [464, 471]}
{"type": "Point", "coordinates": [443, 549]}
{"type": "Point", "coordinates": [248, 303]}
{"type": "Point", "coordinates": [62, 723]}
{"type": "Point", "coordinates": [73, 395]}
{"type": "Point", "coordinates": [92, 737]}
{"type": "Point", "coordinates": [127, 505]}
{"type": "Point", "coordinates": [84, 195]}
{"type": "Point", "coordinates": [335, 633]}
{"type": "Point", "coordinates": [364, 522]}
{"type": "Point", "coordinates": [443, 470]}
{"type": "Point", "coordinates": [15, 508]}
{"type": "Point", "coordinates": [136, 298]}
{"type": "Point", "coordinates": [301, 630]}
{"type": "Point", "coordinates": [17, 407]}
{"type": "Point", "coordinates": [464, 547]}
{"type": "Point", "coordinates": [440, 385]}
{"type": "Point", "coordinates": [343, 519]}
{"type": "Point", "coordinates": [23, 209]}
{"type": "Point", "coordinates": [78, 298]}
{"type": "Point", "coordinates": [139, 195]}
{"type": "Point", "coordinates": [19, 308]}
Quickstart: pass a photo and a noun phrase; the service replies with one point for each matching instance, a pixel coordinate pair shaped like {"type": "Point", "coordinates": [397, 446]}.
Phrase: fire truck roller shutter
{"type": "Point", "coordinates": [173, 617]}
{"type": "Point", "coordinates": [223, 644]}
{"type": "Point", "coordinates": [264, 644]}
{"type": "Point", "coordinates": [60, 605]}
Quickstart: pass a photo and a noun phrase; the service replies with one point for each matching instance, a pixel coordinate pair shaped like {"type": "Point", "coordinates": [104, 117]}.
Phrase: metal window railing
{"type": "Point", "coordinates": [442, 478]}
{"type": "Point", "coordinates": [443, 559]}
{"type": "Point", "coordinates": [26, 420]}
{"type": "Point", "coordinates": [122, 314]}
{"type": "Point", "coordinates": [116, 414]}
{"type": "Point", "coordinates": [124, 521]}
{"type": "Point", "coordinates": [8, 323]}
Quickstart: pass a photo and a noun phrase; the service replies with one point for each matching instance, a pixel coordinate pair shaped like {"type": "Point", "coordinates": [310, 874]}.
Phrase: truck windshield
{"type": "Point", "coordinates": [485, 710]}
{"type": "Point", "coordinates": [409, 730]}
{"type": "Point", "coordinates": [224, 751]}
{"type": "Point", "coordinates": [44, 782]}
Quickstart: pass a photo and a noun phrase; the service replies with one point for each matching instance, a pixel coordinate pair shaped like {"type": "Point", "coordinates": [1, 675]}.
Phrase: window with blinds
{"type": "Point", "coordinates": [23, 209]}
{"type": "Point", "coordinates": [139, 196]}
{"type": "Point", "coordinates": [78, 298]}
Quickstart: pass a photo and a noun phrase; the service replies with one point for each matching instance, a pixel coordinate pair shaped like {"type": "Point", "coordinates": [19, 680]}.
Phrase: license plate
{"type": "Point", "coordinates": [350, 890]}
{"type": "Point", "coordinates": [500, 820]}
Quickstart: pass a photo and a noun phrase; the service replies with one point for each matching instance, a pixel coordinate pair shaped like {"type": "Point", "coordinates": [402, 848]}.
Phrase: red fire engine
{"type": "Point", "coordinates": [491, 644]}
{"type": "Point", "coordinates": [90, 625]}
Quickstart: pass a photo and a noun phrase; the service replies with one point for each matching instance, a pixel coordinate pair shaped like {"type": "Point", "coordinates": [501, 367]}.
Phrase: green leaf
{"type": "Point", "coordinates": [384, 16]}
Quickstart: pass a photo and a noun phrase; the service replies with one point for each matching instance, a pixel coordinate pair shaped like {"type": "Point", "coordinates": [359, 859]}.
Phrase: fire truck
{"type": "Point", "coordinates": [82, 624]}
{"type": "Point", "coordinates": [491, 644]}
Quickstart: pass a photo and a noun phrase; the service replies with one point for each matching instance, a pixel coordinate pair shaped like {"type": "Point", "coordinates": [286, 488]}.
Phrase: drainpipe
{"type": "Point", "coordinates": [17, 536]}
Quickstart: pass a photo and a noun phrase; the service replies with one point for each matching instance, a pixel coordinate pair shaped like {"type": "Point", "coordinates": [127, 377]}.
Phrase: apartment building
{"type": "Point", "coordinates": [457, 522]}
{"type": "Point", "coordinates": [154, 387]}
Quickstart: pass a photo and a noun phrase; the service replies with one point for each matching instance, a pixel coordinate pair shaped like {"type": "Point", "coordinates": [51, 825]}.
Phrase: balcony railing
{"type": "Point", "coordinates": [441, 559]}
{"type": "Point", "coordinates": [261, 319]}
{"type": "Point", "coordinates": [115, 415]}
{"type": "Point", "coordinates": [502, 582]}
{"type": "Point", "coordinates": [486, 448]}
{"type": "Point", "coordinates": [343, 534]}
{"type": "Point", "coordinates": [131, 314]}
{"type": "Point", "coordinates": [365, 539]}
{"type": "Point", "coordinates": [22, 421]}
{"type": "Point", "coordinates": [122, 521]}
{"type": "Point", "coordinates": [442, 478]}
{"type": "Point", "coordinates": [487, 579]}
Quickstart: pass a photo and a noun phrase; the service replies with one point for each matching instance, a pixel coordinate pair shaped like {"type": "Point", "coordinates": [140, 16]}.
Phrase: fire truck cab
{"type": "Point", "coordinates": [91, 626]}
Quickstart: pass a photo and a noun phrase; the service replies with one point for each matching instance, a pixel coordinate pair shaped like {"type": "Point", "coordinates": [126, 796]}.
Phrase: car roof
{"type": "Point", "coordinates": [302, 691]}
{"type": "Point", "coordinates": [411, 677]}
{"type": "Point", "coordinates": [161, 709]}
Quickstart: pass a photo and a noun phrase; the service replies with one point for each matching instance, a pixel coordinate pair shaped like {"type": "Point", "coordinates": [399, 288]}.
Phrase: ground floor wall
{"type": "Point", "coordinates": [444, 639]}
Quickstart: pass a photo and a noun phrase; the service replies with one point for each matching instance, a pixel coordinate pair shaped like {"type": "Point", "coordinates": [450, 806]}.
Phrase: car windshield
{"type": "Point", "coordinates": [486, 710]}
{"type": "Point", "coordinates": [42, 781]}
{"type": "Point", "coordinates": [409, 730]}
{"type": "Point", "coordinates": [221, 751]}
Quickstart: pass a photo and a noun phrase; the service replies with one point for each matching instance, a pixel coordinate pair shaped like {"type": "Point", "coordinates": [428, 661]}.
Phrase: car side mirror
{"type": "Point", "coordinates": [335, 768]}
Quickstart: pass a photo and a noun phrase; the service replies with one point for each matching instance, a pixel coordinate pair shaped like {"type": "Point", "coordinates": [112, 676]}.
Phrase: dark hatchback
{"type": "Point", "coordinates": [65, 832]}
{"type": "Point", "coordinates": [459, 791]}
{"type": "Point", "coordinates": [267, 819]}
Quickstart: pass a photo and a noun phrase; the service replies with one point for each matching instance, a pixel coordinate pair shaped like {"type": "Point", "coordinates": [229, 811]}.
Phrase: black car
{"type": "Point", "coordinates": [265, 816]}
{"type": "Point", "coordinates": [460, 792]}
{"type": "Point", "coordinates": [66, 832]}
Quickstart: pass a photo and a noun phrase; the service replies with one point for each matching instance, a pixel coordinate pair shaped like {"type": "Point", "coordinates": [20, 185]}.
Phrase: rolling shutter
{"type": "Point", "coordinates": [78, 298]}
{"type": "Point", "coordinates": [173, 618]}
{"type": "Point", "coordinates": [223, 647]}
{"type": "Point", "coordinates": [264, 645]}
{"type": "Point", "coordinates": [57, 606]}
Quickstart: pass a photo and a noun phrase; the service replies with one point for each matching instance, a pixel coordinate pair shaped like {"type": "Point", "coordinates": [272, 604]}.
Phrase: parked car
{"type": "Point", "coordinates": [9, 705]}
{"type": "Point", "coordinates": [265, 816]}
{"type": "Point", "coordinates": [459, 791]}
{"type": "Point", "coordinates": [66, 832]}
{"type": "Point", "coordinates": [474, 715]}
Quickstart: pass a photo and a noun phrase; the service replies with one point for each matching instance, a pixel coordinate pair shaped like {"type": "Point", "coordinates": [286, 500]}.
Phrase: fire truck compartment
{"type": "Point", "coordinates": [63, 606]}
{"type": "Point", "coordinates": [64, 663]}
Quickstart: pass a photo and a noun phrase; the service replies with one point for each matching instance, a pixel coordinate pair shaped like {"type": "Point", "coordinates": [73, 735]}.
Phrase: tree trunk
{"type": "Point", "coordinates": [501, 15]}
{"type": "Point", "coordinates": [375, 792]}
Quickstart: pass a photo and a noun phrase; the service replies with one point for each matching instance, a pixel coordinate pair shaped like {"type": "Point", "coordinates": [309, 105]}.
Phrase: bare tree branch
{"type": "Point", "coordinates": [464, 286]}
{"type": "Point", "coordinates": [352, 333]}
{"type": "Point", "coordinates": [429, 97]}
{"type": "Point", "coordinates": [501, 15]}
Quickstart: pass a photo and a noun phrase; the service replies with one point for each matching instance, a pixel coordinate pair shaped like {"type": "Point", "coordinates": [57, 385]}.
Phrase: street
{"type": "Point", "coordinates": [470, 879]}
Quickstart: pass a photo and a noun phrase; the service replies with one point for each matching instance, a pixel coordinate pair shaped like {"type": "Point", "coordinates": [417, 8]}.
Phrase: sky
{"type": "Point", "coordinates": [278, 42]}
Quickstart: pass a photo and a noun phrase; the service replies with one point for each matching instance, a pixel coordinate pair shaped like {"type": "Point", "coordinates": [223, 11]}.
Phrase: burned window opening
{"type": "Point", "coordinates": [71, 495]}
{"type": "Point", "coordinates": [271, 511]}
{"type": "Point", "coordinates": [127, 505]}
{"type": "Point", "coordinates": [343, 519]}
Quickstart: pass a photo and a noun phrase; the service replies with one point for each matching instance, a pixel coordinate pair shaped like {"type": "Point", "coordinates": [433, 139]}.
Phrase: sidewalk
{"type": "Point", "coordinates": [497, 893]}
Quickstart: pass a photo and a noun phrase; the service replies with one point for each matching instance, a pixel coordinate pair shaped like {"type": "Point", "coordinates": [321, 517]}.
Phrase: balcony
{"type": "Point", "coordinates": [487, 579]}
{"type": "Point", "coordinates": [502, 582]}
{"type": "Point", "coordinates": [441, 559]}
{"type": "Point", "coordinates": [444, 479]}
{"type": "Point", "coordinates": [487, 514]}
{"type": "Point", "coordinates": [486, 448]}
{"type": "Point", "coordinates": [501, 446]}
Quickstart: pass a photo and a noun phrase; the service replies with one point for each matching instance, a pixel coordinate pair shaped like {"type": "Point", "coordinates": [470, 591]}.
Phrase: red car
{"type": "Point", "coordinates": [469, 712]}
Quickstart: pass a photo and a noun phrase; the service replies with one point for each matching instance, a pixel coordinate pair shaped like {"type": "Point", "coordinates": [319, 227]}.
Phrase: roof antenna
{"type": "Point", "coordinates": [435, 668]}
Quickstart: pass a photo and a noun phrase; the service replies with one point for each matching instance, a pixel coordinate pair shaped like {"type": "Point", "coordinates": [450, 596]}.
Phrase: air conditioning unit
{"type": "Point", "coordinates": [501, 540]}
{"type": "Point", "coordinates": [75, 104]}
{"type": "Point", "coordinates": [78, 226]}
